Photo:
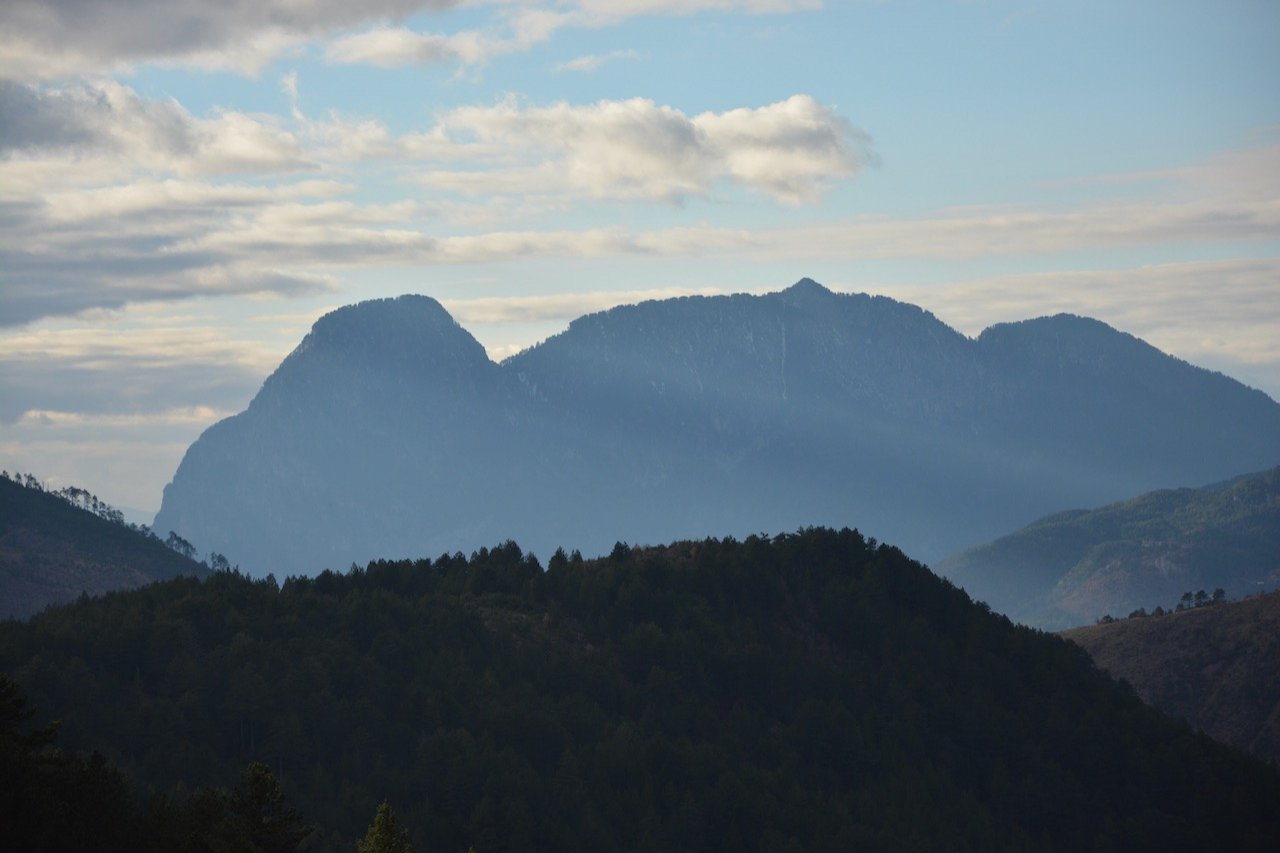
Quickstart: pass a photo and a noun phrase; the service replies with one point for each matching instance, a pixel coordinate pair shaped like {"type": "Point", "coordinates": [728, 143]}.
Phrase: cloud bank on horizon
{"type": "Point", "coordinates": [185, 185]}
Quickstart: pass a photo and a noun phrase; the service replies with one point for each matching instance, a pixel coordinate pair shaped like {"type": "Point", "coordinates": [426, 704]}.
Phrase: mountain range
{"type": "Point", "coordinates": [389, 432]}
{"type": "Point", "coordinates": [1074, 567]}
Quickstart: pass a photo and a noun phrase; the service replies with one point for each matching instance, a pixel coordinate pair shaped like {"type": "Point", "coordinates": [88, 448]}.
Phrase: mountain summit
{"type": "Point", "coordinates": [388, 432]}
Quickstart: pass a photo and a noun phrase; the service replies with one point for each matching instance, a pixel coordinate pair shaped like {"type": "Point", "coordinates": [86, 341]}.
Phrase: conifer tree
{"type": "Point", "coordinates": [385, 834]}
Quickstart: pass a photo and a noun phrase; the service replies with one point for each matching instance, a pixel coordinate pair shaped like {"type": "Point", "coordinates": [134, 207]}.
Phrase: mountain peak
{"type": "Point", "coordinates": [807, 287]}
{"type": "Point", "coordinates": [411, 327]}
{"type": "Point", "coordinates": [410, 312]}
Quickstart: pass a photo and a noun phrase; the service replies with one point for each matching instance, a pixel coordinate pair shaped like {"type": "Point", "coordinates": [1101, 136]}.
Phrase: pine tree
{"type": "Point", "coordinates": [385, 834]}
{"type": "Point", "coordinates": [258, 818]}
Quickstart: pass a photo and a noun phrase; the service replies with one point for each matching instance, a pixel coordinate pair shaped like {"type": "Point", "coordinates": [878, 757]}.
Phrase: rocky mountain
{"type": "Point", "coordinates": [51, 552]}
{"type": "Point", "coordinates": [389, 433]}
{"type": "Point", "coordinates": [1074, 567]}
{"type": "Point", "coordinates": [1216, 667]}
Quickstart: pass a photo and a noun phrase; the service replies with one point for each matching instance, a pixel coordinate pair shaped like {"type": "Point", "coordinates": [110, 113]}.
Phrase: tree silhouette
{"type": "Point", "coordinates": [258, 818]}
{"type": "Point", "coordinates": [385, 834]}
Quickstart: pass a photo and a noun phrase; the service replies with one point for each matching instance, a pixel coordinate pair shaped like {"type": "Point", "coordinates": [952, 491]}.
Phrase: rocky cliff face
{"type": "Point", "coordinates": [389, 433]}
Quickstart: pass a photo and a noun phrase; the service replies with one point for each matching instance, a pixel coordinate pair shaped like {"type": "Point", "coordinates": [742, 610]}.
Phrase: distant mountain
{"type": "Point", "coordinates": [1216, 667]}
{"type": "Point", "coordinates": [389, 432]}
{"type": "Point", "coordinates": [51, 552]}
{"type": "Point", "coordinates": [811, 692]}
{"type": "Point", "coordinates": [1074, 567]}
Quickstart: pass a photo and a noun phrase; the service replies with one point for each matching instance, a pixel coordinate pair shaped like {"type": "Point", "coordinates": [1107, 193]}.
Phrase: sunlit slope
{"type": "Point", "coordinates": [1075, 567]}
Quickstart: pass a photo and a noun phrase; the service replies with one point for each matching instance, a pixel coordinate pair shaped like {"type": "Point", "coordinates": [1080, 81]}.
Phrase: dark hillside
{"type": "Point", "coordinates": [1216, 667]}
{"type": "Point", "coordinates": [807, 692]}
{"type": "Point", "coordinates": [51, 552]}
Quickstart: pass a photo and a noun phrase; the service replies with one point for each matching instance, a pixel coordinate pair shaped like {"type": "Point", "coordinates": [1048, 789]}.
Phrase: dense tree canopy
{"type": "Point", "coordinates": [815, 691]}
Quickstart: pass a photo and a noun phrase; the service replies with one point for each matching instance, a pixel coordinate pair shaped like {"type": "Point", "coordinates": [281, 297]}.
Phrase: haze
{"type": "Point", "coordinates": [185, 187]}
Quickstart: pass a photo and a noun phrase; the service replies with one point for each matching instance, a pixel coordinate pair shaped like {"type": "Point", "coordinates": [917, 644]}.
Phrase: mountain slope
{"type": "Point", "coordinates": [1071, 568]}
{"type": "Point", "coordinates": [388, 431]}
{"type": "Point", "coordinates": [806, 692]}
{"type": "Point", "coordinates": [51, 552]}
{"type": "Point", "coordinates": [1216, 667]}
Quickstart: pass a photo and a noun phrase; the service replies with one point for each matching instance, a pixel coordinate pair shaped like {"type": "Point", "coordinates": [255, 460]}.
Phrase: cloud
{"type": "Point", "coordinates": [109, 199]}
{"type": "Point", "coordinates": [518, 27]}
{"type": "Point", "coordinates": [791, 150]}
{"type": "Point", "coordinates": [1165, 304]}
{"type": "Point", "coordinates": [593, 61]}
{"type": "Point", "coordinates": [557, 307]}
{"type": "Point", "coordinates": [969, 233]}
{"type": "Point", "coordinates": [55, 37]}
{"type": "Point", "coordinates": [106, 248]}
{"type": "Point", "coordinates": [126, 367]}
{"type": "Point", "coordinates": [390, 47]}
{"type": "Point", "coordinates": [198, 415]}
{"type": "Point", "coordinates": [109, 121]}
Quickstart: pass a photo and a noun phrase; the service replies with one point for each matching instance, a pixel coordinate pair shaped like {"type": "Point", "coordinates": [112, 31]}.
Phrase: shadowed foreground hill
{"type": "Point", "coordinates": [808, 692]}
{"type": "Point", "coordinates": [1074, 567]}
{"type": "Point", "coordinates": [1216, 667]}
{"type": "Point", "coordinates": [51, 552]}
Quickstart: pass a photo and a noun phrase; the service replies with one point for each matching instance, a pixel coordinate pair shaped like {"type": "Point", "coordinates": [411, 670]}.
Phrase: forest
{"type": "Point", "coordinates": [807, 691]}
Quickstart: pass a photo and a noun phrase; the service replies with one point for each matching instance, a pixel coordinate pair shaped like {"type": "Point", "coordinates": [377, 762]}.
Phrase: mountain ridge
{"type": "Point", "coordinates": [52, 552]}
{"type": "Point", "coordinates": [683, 417]}
{"type": "Point", "coordinates": [1074, 567]}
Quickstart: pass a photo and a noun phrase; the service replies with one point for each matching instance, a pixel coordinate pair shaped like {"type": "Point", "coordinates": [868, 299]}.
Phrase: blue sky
{"type": "Point", "coordinates": [186, 185]}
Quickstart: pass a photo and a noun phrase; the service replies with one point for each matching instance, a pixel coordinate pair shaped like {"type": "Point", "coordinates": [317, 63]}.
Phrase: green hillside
{"type": "Point", "coordinates": [51, 552]}
{"type": "Point", "coordinates": [814, 691]}
{"type": "Point", "coordinates": [1072, 568]}
{"type": "Point", "coordinates": [1216, 667]}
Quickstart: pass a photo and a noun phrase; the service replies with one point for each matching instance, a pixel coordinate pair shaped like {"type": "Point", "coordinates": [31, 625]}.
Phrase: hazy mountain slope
{"type": "Point", "coordinates": [1071, 568]}
{"type": "Point", "coordinates": [806, 692]}
{"type": "Point", "coordinates": [389, 432]}
{"type": "Point", "coordinates": [1087, 402]}
{"type": "Point", "coordinates": [358, 442]}
{"type": "Point", "coordinates": [51, 552]}
{"type": "Point", "coordinates": [1216, 667]}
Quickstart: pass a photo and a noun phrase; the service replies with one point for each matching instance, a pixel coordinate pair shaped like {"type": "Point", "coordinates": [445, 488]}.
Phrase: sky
{"type": "Point", "coordinates": [186, 185]}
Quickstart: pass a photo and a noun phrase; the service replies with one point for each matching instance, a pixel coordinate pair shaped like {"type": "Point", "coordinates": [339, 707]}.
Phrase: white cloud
{"type": "Point", "coordinates": [557, 307]}
{"type": "Point", "coordinates": [519, 26]}
{"type": "Point", "coordinates": [968, 233]}
{"type": "Point", "coordinates": [390, 47]}
{"type": "Point", "coordinates": [633, 149]}
{"type": "Point", "coordinates": [593, 61]}
{"type": "Point", "coordinates": [109, 121]}
{"type": "Point", "coordinates": [187, 415]}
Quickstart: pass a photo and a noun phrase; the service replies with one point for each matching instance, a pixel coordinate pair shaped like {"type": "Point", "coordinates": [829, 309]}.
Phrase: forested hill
{"type": "Point", "coordinates": [389, 433]}
{"type": "Point", "coordinates": [51, 552]}
{"type": "Point", "coordinates": [1217, 667]}
{"type": "Point", "coordinates": [1075, 567]}
{"type": "Point", "coordinates": [814, 691]}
